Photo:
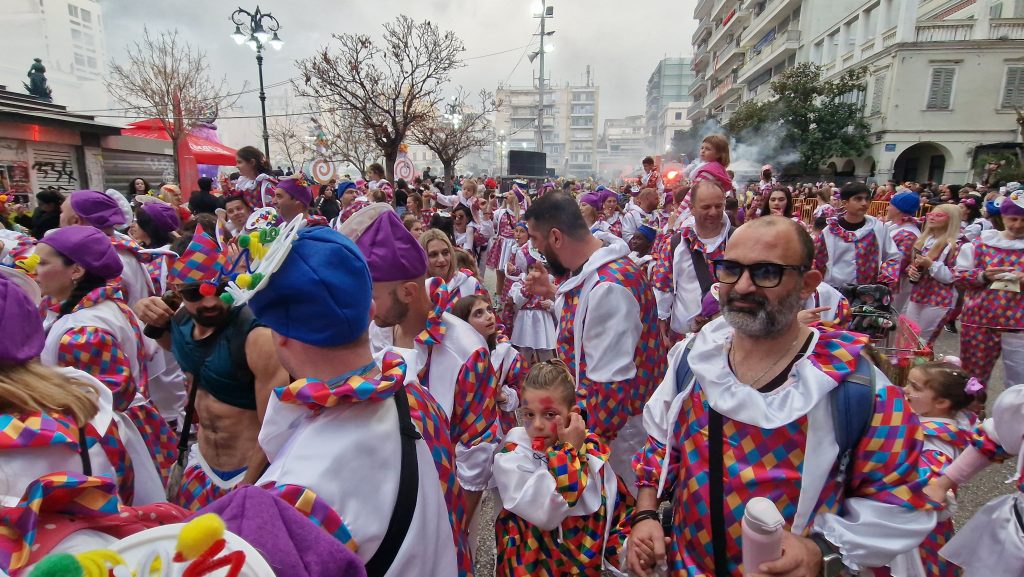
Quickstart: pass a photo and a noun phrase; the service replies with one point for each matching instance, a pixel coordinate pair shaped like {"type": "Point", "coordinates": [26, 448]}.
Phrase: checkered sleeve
{"type": "Point", "coordinates": [968, 271]}
{"type": "Point", "coordinates": [474, 420]}
{"type": "Point", "coordinates": [983, 442]}
{"type": "Point", "coordinates": [569, 468]}
{"type": "Point", "coordinates": [904, 241]}
{"type": "Point", "coordinates": [934, 462]}
{"type": "Point", "coordinates": [885, 465]}
{"type": "Point", "coordinates": [820, 254]}
{"type": "Point", "coordinates": [95, 351]}
{"type": "Point", "coordinates": [662, 251]}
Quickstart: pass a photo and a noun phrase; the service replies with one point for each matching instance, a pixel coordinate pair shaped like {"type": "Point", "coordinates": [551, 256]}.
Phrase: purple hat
{"type": "Point", "coordinates": [606, 194]}
{"type": "Point", "coordinates": [19, 317]}
{"type": "Point", "coordinates": [162, 215]}
{"type": "Point", "coordinates": [391, 252]}
{"type": "Point", "coordinates": [97, 209]}
{"type": "Point", "coordinates": [591, 198]}
{"type": "Point", "coordinates": [88, 247]}
{"type": "Point", "coordinates": [1013, 205]}
{"type": "Point", "coordinates": [297, 188]}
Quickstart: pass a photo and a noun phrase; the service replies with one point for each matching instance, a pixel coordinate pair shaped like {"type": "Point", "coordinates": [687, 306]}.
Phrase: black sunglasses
{"type": "Point", "coordinates": [762, 274]}
{"type": "Point", "coordinates": [190, 293]}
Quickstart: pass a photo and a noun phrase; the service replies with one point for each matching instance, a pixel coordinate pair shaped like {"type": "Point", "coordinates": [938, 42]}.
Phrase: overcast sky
{"type": "Point", "coordinates": [622, 40]}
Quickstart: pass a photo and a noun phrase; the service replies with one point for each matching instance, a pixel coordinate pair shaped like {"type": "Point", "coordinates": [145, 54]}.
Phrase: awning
{"type": "Point", "coordinates": [205, 151]}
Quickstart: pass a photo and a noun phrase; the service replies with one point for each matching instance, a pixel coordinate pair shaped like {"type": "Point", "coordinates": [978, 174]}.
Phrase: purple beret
{"type": "Point", "coordinates": [297, 189]}
{"type": "Point", "coordinates": [606, 194]}
{"type": "Point", "coordinates": [391, 252]}
{"type": "Point", "coordinates": [163, 215]}
{"type": "Point", "coordinates": [18, 316]}
{"type": "Point", "coordinates": [1013, 205]}
{"type": "Point", "coordinates": [87, 246]}
{"type": "Point", "coordinates": [97, 209]}
{"type": "Point", "coordinates": [591, 198]}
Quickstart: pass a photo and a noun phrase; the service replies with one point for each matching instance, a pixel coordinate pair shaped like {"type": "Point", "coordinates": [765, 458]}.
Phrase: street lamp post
{"type": "Point", "coordinates": [543, 11]}
{"type": "Point", "coordinates": [501, 152]}
{"type": "Point", "coordinates": [255, 29]}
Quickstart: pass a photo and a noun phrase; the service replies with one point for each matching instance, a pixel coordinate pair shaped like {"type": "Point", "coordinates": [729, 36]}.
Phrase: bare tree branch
{"type": "Point", "coordinates": [346, 139]}
{"type": "Point", "coordinates": [164, 78]}
{"type": "Point", "coordinates": [453, 137]}
{"type": "Point", "coordinates": [291, 135]}
{"type": "Point", "coordinates": [387, 87]}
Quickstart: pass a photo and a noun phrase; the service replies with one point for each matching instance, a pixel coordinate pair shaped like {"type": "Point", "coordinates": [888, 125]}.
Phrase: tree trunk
{"type": "Point", "coordinates": [390, 156]}
{"type": "Point", "coordinates": [177, 160]}
{"type": "Point", "coordinates": [449, 174]}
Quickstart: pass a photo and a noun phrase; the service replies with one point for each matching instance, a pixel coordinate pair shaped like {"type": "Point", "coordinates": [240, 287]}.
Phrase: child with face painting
{"type": "Point", "coordinates": [557, 488]}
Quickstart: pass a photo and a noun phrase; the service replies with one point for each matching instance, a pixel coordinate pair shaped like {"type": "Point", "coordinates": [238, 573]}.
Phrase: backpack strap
{"type": "Point", "coordinates": [853, 405]}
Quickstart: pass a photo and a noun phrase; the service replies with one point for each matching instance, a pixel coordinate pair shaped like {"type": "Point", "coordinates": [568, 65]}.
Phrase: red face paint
{"type": "Point", "coordinates": [539, 444]}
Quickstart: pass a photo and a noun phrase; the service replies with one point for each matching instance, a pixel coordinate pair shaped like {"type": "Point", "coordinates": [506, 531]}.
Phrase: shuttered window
{"type": "Point", "coordinates": [1013, 91]}
{"type": "Point", "coordinates": [940, 89]}
{"type": "Point", "coordinates": [878, 93]}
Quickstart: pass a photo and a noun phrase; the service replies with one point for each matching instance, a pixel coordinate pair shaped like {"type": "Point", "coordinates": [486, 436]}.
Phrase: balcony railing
{"type": "Point", "coordinates": [787, 39]}
{"type": "Point", "coordinates": [1006, 29]}
{"type": "Point", "coordinates": [944, 31]}
{"type": "Point", "coordinates": [889, 38]}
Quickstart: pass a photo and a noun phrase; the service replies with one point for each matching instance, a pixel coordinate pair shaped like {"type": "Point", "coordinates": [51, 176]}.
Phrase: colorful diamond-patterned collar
{"type": "Point", "coordinates": [37, 430]}
{"type": "Point", "coordinates": [110, 292]}
{"type": "Point", "coordinates": [317, 395]}
{"type": "Point", "coordinates": [440, 296]}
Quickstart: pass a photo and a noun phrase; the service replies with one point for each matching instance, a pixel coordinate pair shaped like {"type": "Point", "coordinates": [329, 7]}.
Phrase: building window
{"type": "Point", "coordinates": [1013, 90]}
{"type": "Point", "coordinates": [92, 62]}
{"type": "Point", "coordinates": [72, 10]}
{"type": "Point", "coordinates": [76, 34]}
{"type": "Point", "coordinates": [86, 15]}
{"type": "Point", "coordinates": [878, 93]}
{"type": "Point", "coordinates": [79, 60]}
{"type": "Point", "coordinates": [940, 89]}
{"type": "Point", "coordinates": [679, 116]}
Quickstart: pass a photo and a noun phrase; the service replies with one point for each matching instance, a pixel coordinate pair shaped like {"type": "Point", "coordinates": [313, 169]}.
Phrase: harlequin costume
{"type": "Point", "coordinates": [503, 246]}
{"type": "Point", "coordinates": [450, 358]}
{"type": "Point", "coordinates": [257, 192]}
{"type": "Point", "coordinates": [781, 446]}
{"type": "Point", "coordinates": [607, 336]}
{"type": "Point", "coordinates": [534, 326]}
{"type": "Point", "coordinates": [992, 542]}
{"type": "Point", "coordinates": [904, 233]}
{"type": "Point", "coordinates": [676, 282]}
{"type": "Point", "coordinates": [462, 284]}
{"type": "Point", "coordinates": [564, 509]}
{"type": "Point", "coordinates": [336, 448]}
{"type": "Point", "coordinates": [992, 321]}
{"type": "Point", "coordinates": [101, 336]}
{"type": "Point", "coordinates": [838, 314]}
{"type": "Point", "coordinates": [944, 440]}
{"type": "Point", "coordinates": [932, 297]}
{"type": "Point", "coordinates": [867, 255]}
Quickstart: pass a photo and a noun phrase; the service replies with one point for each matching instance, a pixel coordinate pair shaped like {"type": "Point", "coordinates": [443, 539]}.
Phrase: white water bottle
{"type": "Point", "coordinates": [762, 533]}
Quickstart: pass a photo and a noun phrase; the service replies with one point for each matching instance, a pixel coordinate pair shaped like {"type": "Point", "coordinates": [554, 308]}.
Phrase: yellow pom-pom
{"type": "Point", "coordinates": [244, 281]}
{"type": "Point", "coordinates": [199, 534]}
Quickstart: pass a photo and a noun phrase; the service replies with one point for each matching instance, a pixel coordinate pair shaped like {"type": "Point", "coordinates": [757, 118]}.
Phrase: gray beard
{"type": "Point", "coordinates": [768, 320]}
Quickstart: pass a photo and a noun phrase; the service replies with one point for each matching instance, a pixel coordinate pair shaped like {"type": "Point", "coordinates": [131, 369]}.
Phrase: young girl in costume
{"type": "Point", "coordinates": [505, 360]}
{"type": "Point", "coordinates": [255, 183]}
{"type": "Point", "coordinates": [932, 293]}
{"type": "Point", "coordinates": [504, 244]}
{"type": "Point", "coordinates": [714, 156]}
{"type": "Point", "coordinates": [514, 271]}
{"type": "Point", "coordinates": [939, 392]}
{"type": "Point", "coordinates": [533, 331]}
{"type": "Point", "coordinates": [992, 542]}
{"type": "Point", "coordinates": [563, 509]}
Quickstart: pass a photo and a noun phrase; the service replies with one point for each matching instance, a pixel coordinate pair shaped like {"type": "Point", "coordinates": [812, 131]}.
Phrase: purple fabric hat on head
{"type": "Point", "coordinates": [19, 316]}
{"type": "Point", "coordinates": [391, 252]}
{"type": "Point", "coordinates": [592, 199]}
{"type": "Point", "coordinates": [88, 247]}
{"type": "Point", "coordinates": [297, 188]}
{"type": "Point", "coordinates": [1013, 205]}
{"type": "Point", "coordinates": [97, 209]}
{"type": "Point", "coordinates": [606, 194]}
{"type": "Point", "coordinates": [163, 215]}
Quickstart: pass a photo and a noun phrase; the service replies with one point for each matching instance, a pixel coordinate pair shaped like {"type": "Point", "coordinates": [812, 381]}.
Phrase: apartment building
{"type": "Point", "coordinates": [623, 143]}
{"type": "Point", "coordinates": [668, 98]}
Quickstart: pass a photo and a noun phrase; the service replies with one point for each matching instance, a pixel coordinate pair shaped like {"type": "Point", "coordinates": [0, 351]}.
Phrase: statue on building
{"type": "Point", "coordinates": [37, 81]}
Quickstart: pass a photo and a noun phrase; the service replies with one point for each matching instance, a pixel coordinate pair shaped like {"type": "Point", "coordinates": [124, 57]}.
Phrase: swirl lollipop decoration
{"type": "Point", "coordinates": [323, 170]}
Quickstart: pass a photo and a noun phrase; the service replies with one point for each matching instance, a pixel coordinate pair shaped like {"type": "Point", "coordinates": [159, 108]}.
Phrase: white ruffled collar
{"type": "Point", "coordinates": [995, 239]}
{"type": "Point", "coordinates": [805, 387]}
{"type": "Point", "coordinates": [614, 248]}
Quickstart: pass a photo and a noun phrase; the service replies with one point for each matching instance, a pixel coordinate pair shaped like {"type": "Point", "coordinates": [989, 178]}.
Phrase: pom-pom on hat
{"type": "Point", "coordinates": [321, 262]}
{"type": "Point", "coordinates": [906, 202]}
{"type": "Point", "coordinates": [391, 252]}
{"type": "Point", "coordinates": [163, 215]}
{"type": "Point", "coordinates": [21, 322]}
{"type": "Point", "coordinates": [88, 247]}
{"type": "Point", "coordinates": [1013, 204]}
{"type": "Point", "coordinates": [202, 262]}
{"type": "Point", "coordinates": [97, 209]}
{"type": "Point", "coordinates": [297, 187]}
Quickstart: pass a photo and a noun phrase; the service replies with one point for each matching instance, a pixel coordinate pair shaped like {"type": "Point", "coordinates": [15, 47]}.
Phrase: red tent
{"type": "Point", "coordinates": [204, 151]}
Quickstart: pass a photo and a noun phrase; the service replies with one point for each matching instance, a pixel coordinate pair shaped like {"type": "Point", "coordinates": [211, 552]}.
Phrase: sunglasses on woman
{"type": "Point", "coordinates": [762, 274]}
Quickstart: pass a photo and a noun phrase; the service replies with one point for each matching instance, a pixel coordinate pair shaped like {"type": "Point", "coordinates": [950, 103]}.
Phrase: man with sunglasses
{"type": "Point", "coordinates": [746, 411]}
{"type": "Point", "coordinates": [682, 270]}
{"type": "Point", "coordinates": [231, 361]}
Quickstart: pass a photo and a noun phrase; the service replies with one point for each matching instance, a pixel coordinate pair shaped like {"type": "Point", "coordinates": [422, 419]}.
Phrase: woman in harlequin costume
{"type": "Point", "coordinates": [563, 507]}
{"type": "Point", "coordinates": [442, 268]}
{"type": "Point", "coordinates": [992, 542]}
{"type": "Point", "coordinates": [939, 393]}
{"type": "Point", "coordinates": [90, 327]}
{"type": "Point", "coordinates": [904, 230]}
{"type": "Point", "coordinates": [932, 294]}
{"type": "Point", "coordinates": [255, 183]}
{"type": "Point", "coordinates": [590, 207]}
{"type": "Point", "coordinates": [610, 213]}
{"type": "Point", "coordinates": [990, 269]}
{"type": "Point", "coordinates": [471, 231]}
{"type": "Point", "coordinates": [506, 361]}
{"type": "Point", "coordinates": [504, 245]}
{"type": "Point", "coordinates": [58, 427]}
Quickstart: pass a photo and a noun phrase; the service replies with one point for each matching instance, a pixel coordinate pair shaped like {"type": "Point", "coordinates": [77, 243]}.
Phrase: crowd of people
{"type": "Point", "coordinates": [648, 361]}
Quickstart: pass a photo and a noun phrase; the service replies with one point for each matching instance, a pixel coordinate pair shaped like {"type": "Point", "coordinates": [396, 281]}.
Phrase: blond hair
{"type": "Point", "coordinates": [554, 376]}
{"type": "Point", "coordinates": [435, 234]}
{"type": "Point", "coordinates": [721, 146]}
{"type": "Point", "coordinates": [948, 238]}
{"type": "Point", "coordinates": [33, 387]}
